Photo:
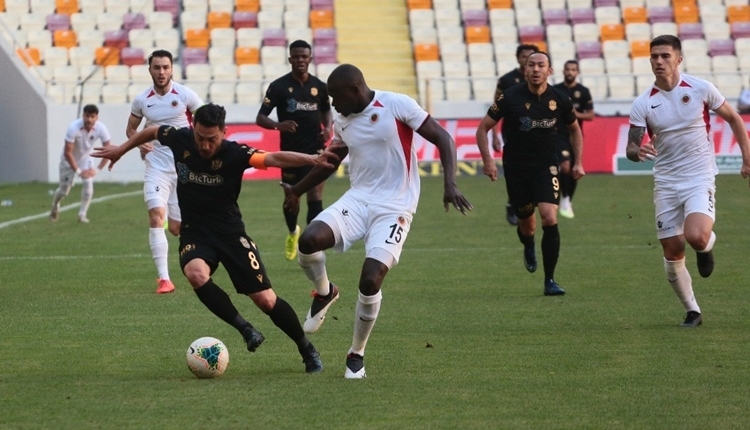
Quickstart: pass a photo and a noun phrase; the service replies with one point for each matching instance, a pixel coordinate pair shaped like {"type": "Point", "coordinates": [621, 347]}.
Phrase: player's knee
{"type": "Point", "coordinates": [264, 300]}
{"type": "Point", "coordinates": [174, 227]}
{"type": "Point", "coordinates": [312, 240]}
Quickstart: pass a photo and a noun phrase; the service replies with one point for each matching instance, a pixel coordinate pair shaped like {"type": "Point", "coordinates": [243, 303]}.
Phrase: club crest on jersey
{"type": "Point", "coordinates": [174, 103]}
{"type": "Point", "coordinates": [290, 89]}
{"type": "Point", "coordinates": [553, 170]}
{"type": "Point", "coordinates": [528, 105]}
{"type": "Point", "coordinates": [685, 99]}
{"type": "Point", "coordinates": [577, 94]}
{"type": "Point", "coordinates": [374, 118]}
{"type": "Point", "coordinates": [552, 105]}
{"type": "Point", "coordinates": [494, 107]}
{"type": "Point", "coordinates": [266, 101]}
{"type": "Point", "coordinates": [91, 137]}
{"type": "Point", "coordinates": [313, 91]}
{"type": "Point", "coordinates": [244, 243]}
{"type": "Point", "coordinates": [215, 164]}
{"type": "Point", "coordinates": [166, 131]}
{"type": "Point", "coordinates": [185, 154]}
{"type": "Point", "coordinates": [401, 220]}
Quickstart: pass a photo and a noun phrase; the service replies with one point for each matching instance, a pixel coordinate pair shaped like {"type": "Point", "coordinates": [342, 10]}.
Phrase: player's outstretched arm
{"type": "Point", "coordinates": [115, 152]}
{"type": "Point", "coordinates": [436, 134]}
{"type": "Point", "coordinates": [735, 121]}
{"type": "Point", "coordinates": [318, 174]}
{"type": "Point", "coordinates": [489, 168]}
{"type": "Point", "coordinates": [285, 159]}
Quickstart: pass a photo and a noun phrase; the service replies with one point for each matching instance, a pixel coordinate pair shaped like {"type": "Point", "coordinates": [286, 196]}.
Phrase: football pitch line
{"type": "Point", "coordinates": [67, 208]}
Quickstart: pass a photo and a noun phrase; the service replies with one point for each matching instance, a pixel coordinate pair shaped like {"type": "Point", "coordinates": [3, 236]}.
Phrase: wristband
{"type": "Point", "coordinates": [78, 171]}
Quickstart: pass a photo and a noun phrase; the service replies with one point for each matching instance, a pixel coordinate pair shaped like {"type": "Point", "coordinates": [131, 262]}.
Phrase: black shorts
{"type": "Point", "coordinates": [293, 175]}
{"type": "Point", "coordinates": [237, 253]}
{"type": "Point", "coordinates": [529, 185]}
{"type": "Point", "coordinates": [564, 149]}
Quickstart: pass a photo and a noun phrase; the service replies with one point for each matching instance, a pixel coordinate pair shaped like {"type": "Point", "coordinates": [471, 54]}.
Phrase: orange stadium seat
{"type": "Point", "coordinates": [2, 5]}
{"type": "Point", "coordinates": [197, 38]}
{"type": "Point", "coordinates": [247, 5]}
{"type": "Point", "coordinates": [246, 55]}
{"type": "Point", "coordinates": [419, 4]}
{"type": "Point", "coordinates": [478, 34]}
{"type": "Point", "coordinates": [30, 56]}
{"type": "Point", "coordinates": [681, 3]}
{"type": "Point", "coordinates": [686, 14]}
{"type": "Point", "coordinates": [65, 38]}
{"type": "Point", "coordinates": [640, 48]}
{"type": "Point", "coordinates": [219, 20]}
{"type": "Point", "coordinates": [107, 56]}
{"type": "Point", "coordinates": [541, 45]}
{"type": "Point", "coordinates": [321, 19]}
{"type": "Point", "coordinates": [68, 7]}
{"type": "Point", "coordinates": [738, 13]}
{"type": "Point", "coordinates": [611, 32]}
{"type": "Point", "coordinates": [634, 14]}
{"type": "Point", "coordinates": [426, 52]}
{"type": "Point", "coordinates": [499, 4]}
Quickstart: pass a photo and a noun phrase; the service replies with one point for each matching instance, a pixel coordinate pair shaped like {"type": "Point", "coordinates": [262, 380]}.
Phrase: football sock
{"type": "Point", "coordinates": [682, 284]}
{"type": "Point", "coordinates": [565, 181]}
{"type": "Point", "coordinates": [313, 209]}
{"type": "Point", "coordinates": [314, 266]}
{"type": "Point", "coordinates": [157, 239]}
{"type": "Point", "coordinates": [526, 240]}
{"type": "Point", "coordinates": [218, 302]}
{"type": "Point", "coordinates": [367, 311]}
{"type": "Point", "coordinates": [284, 317]}
{"type": "Point", "coordinates": [550, 250]}
{"type": "Point", "coordinates": [87, 192]}
{"type": "Point", "coordinates": [710, 244]}
{"type": "Point", "coordinates": [572, 185]}
{"type": "Point", "coordinates": [291, 220]}
{"type": "Point", "coordinates": [60, 193]}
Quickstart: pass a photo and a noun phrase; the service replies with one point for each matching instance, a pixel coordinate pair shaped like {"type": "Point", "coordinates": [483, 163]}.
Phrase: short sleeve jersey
{"type": "Point", "coordinates": [530, 122]}
{"type": "Point", "coordinates": [382, 158]}
{"type": "Point", "coordinates": [83, 141]}
{"type": "Point", "coordinates": [207, 190]}
{"type": "Point", "coordinates": [678, 123]}
{"type": "Point", "coordinates": [512, 78]}
{"type": "Point", "coordinates": [174, 108]}
{"type": "Point", "coordinates": [582, 102]}
{"type": "Point", "coordinates": [301, 103]}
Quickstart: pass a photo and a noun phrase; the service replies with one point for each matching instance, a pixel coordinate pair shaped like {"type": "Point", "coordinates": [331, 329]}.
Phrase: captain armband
{"type": "Point", "coordinates": [258, 159]}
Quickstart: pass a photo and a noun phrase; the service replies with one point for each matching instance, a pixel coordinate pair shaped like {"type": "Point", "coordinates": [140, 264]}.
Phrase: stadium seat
{"type": "Point", "coordinates": [274, 55]}
{"type": "Point", "coordinates": [326, 36]}
{"type": "Point", "coordinates": [223, 72]}
{"type": "Point", "coordinates": [58, 21]}
{"type": "Point", "coordinates": [30, 56]}
{"type": "Point", "coordinates": [499, 4]}
{"type": "Point", "coordinates": [68, 7]}
{"type": "Point", "coordinates": [717, 30]}
{"type": "Point", "coordinates": [273, 71]}
{"type": "Point", "coordinates": [39, 39]}
{"type": "Point", "coordinates": [555, 17]}
{"type": "Point", "coordinates": [605, 3]}
{"type": "Point", "coordinates": [11, 20]}
{"type": "Point", "coordinates": [482, 69]}
{"type": "Point", "coordinates": [321, 19]}
{"type": "Point", "coordinates": [142, 38]}
{"type": "Point", "coordinates": [641, 66]}
{"type": "Point", "coordinates": [589, 50]}
{"type": "Point", "coordinates": [248, 92]}
{"type": "Point", "coordinates": [659, 28]}
{"type": "Point", "coordinates": [426, 52]}
{"type": "Point", "coordinates": [55, 56]}
{"type": "Point", "coordinates": [171, 6]}
{"type": "Point", "coordinates": [140, 74]}
{"type": "Point", "coordinates": [141, 6]}
{"type": "Point", "coordinates": [551, 4]}
{"type": "Point", "coordinates": [244, 19]}
{"type": "Point", "coordinates": [81, 56]}
{"type": "Point", "coordinates": [686, 13]}
{"type": "Point", "coordinates": [504, 35]}
{"type": "Point", "coordinates": [305, 34]}
{"type": "Point", "coordinates": [65, 38]}
{"type": "Point", "coordinates": [107, 21]}
{"type": "Point", "coordinates": [607, 15]}
{"type": "Point", "coordinates": [730, 84]}
{"type": "Point", "coordinates": [710, 14]}
{"type": "Point", "coordinates": [447, 17]}
{"type": "Point", "coordinates": [116, 38]}
{"type": "Point", "coordinates": [218, 20]}
{"type": "Point", "coordinates": [483, 88]}
{"type": "Point", "coordinates": [249, 37]}
{"type": "Point", "coordinates": [194, 56]}
{"type": "Point", "coordinates": [118, 7]}
{"type": "Point", "coordinates": [274, 37]}
{"type": "Point", "coordinates": [478, 34]}
{"type": "Point", "coordinates": [587, 32]}
{"type": "Point", "coordinates": [582, 16]}
{"type": "Point", "coordinates": [502, 17]}
{"type": "Point", "coordinates": [611, 32]}
{"type": "Point", "coordinates": [531, 33]}
{"type": "Point", "coordinates": [720, 47]}
{"type": "Point", "coordinates": [638, 31]}
{"type": "Point", "coordinates": [690, 30]}
{"type": "Point", "coordinates": [740, 30]}
{"type": "Point", "coordinates": [643, 83]}
{"type": "Point", "coordinates": [192, 20]}
{"type": "Point", "coordinates": [421, 18]}
{"type": "Point", "coordinates": [160, 20]}
{"type": "Point", "coordinates": [195, 5]}
{"type": "Point", "coordinates": [132, 56]}
{"type": "Point", "coordinates": [450, 34]}
{"type": "Point", "coordinates": [480, 52]}
{"type": "Point", "coordinates": [528, 16]}
{"type": "Point", "coordinates": [557, 32]}
{"type": "Point", "coordinates": [635, 14]}
{"type": "Point", "coordinates": [296, 19]}
{"type": "Point", "coordinates": [247, 5]}
{"type": "Point", "coordinates": [457, 90]}
{"type": "Point", "coordinates": [221, 55]}
{"type": "Point", "coordinates": [90, 38]}
{"type": "Point", "coordinates": [132, 21]}
{"type": "Point", "coordinates": [221, 92]}
{"type": "Point", "coordinates": [591, 66]}
{"type": "Point", "coordinates": [578, 4]}
{"type": "Point", "coordinates": [43, 7]}
{"type": "Point", "coordinates": [694, 47]}
{"type": "Point", "coordinates": [738, 13]}
{"type": "Point", "coordinates": [321, 4]}
{"type": "Point", "coordinates": [475, 17]}
{"type": "Point", "coordinates": [640, 48]}
{"type": "Point", "coordinates": [115, 93]}
{"type": "Point", "coordinates": [198, 72]}
{"type": "Point", "coordinates": [169, 39]}
{"type": "Point", "coordinates": [33, 22]}
{"type": "Point", "coordinates": [561, 50]}
{"type": "Point", "coordinates": [223, 37]}
{"type": "Point", "coordinates": [616, 49]}
{"type": "Point", "coordinates": [221, 6]}
{"type": "Point", "coordinates": [197, 38]}
{"type": "Point", "coordinates": [660, 14]}
{"type": "Point", "coordinates": [325, 54]}
{"type": "Point", "coordinates": [452, 52]}
{"type": "Point", "coordinates": [725, 64]}
{"type": "Point", "coordinates": [246, 55]}
{"type": "Point", "coordinates": [250, 72]}
{"type": "Point", "coordinates": [695, 64]}
{"type": "Point", "coordinates": [618, 65]}
{"type": "Point", "coordinates": [596, 84]}
{"type": "Point", "coordinates": [469, 4]}
{"type": "Point", "coordinates": [419, 4]}
{"type": "Point", "coordinates": [621, 86]}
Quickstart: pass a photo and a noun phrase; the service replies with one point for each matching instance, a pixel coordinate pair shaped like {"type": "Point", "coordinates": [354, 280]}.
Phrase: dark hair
{"type": "Point", "coordinates": [549, 60]}
{"type": "Point", "coordinates": [668, 40]}
{"type": "Point", "coordinates": [211, 115]}
{"type": "Point", "coordinates": [160, 53]}
{"type": "Point", "coordinates": [299, 44]}
{"type": "Point", "coordinates": [526, 47]}
{"type": "Point", "coordinates": [89, 109]}
{"type": "Point", "coordinates": [572, 62]}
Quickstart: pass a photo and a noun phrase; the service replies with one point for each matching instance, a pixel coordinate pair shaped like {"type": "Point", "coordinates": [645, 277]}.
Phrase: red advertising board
{"type": "Point", "coordinates": [604, 142]}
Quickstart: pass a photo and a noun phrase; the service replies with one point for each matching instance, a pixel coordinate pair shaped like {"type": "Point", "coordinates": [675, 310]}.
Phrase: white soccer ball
{"type": "Point", "coordinates": [207, 357]}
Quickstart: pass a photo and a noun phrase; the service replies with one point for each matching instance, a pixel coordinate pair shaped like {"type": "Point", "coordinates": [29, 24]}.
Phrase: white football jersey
{"type": "Point", "coordinates": [679, 124]}
{"type": "Point", "coordinates": [382, 160]}
{"type": "Point", "coordinates": [83, 141]}
{"type": "Point", "coordinates": [174, 108]}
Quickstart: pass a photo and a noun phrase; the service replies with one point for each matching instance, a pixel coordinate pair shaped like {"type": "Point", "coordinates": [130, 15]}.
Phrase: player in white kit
{"type": "Point", "coordinates": [675, 113]}
{"type": "Point", "coordinates": [164, 103]}
{"type": "Point", "coordinates": [75, 160]}
{"type": "Point", "coordinates": [375, 128]}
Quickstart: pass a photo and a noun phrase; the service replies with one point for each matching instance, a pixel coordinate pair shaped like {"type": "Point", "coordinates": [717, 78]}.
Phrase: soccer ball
{"type": "Point", "coordinates": [207, 357]}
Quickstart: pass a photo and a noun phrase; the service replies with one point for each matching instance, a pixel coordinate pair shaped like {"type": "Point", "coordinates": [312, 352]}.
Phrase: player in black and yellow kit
{"type": "Point", "coordinates": [304, 121]}
{"type": "Point", "coordinates": [209, 179]}
{"type": "Point", "coordinates": [530, 116]}
{"type": "Point", "coordinates": [583, 106]}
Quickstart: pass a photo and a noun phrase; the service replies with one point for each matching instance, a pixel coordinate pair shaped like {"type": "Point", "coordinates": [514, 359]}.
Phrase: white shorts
{"type": "Point", "coordinates": [68, 175]}
{"type": "Point", "coordinates": [383, 230]}
{"type": "Point", "coordinates": [160, 191]}
{"type": "Point", "coordinates": [674, 202]}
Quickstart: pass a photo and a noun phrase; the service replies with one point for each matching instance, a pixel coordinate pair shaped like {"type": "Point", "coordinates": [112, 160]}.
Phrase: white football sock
{"type": "Point", "coordinates": [710, 244]}
{"type": "Point", "coordinates": [682, 284]}
{"type": "Point", "coordinates": [60, 193]}
{"type": "Point", "coordinates": [87, 192]}
{"type": "Point", "coordinates": [157, 239]}
{"type": "Point", "coordinates": [314, 266]}
{"type": "Point", "coordinates": [367, 311]}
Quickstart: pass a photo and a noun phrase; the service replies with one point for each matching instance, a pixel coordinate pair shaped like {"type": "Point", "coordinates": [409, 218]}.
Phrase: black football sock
{"type": "Point", "coordinates": [313, 209]}
{"type": "Point", "coordinates": [572, 187]}
{"type": "Point", "coordinates": [550, 250]}
{"type": "Point", "coordinates": [528, 241]}
{"type": "Point", "coordinates": [291, 220]}
{"type": "Point", "coordinates": [284, 317]}
{"type": "Point", "coordinates": [218, 302]}
{"type": "Point", "coordinates": [565, 183]}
